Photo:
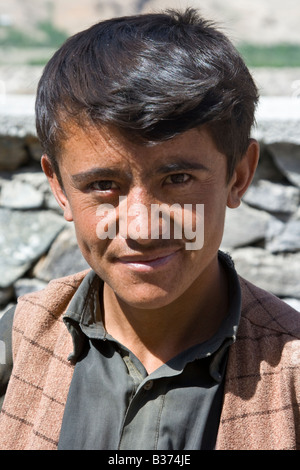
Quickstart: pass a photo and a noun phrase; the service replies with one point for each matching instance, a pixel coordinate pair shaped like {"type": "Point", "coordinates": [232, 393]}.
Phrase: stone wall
{"type": "Point", "coordinates": [262, 235]}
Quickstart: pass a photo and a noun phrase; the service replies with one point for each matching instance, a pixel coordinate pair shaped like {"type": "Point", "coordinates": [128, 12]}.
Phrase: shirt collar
{"type": "Point", "coordinates": [83, 320]}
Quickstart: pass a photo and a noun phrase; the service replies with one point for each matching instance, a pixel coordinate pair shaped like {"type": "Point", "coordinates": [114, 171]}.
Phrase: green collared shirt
{"type": "Point", "coordinates": [114, 404]}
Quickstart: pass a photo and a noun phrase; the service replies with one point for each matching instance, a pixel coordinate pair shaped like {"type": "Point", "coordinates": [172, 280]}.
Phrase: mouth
{"type": "Point", "coordinates": [148, 262]}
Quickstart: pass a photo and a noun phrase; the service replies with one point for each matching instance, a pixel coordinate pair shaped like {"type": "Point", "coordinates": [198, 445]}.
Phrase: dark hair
{"type": "Point", "coordinates": [152, 76]}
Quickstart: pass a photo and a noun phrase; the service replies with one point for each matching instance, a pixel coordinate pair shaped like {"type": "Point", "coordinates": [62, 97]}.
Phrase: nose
{"type": "Point", "coordinates": [135, 215]}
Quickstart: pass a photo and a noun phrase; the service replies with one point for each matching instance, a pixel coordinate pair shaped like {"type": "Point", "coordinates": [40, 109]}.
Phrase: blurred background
{"type": "Point", "coordinates": [262, 235]}
{"type": "Point", "coordinates": [265, 31]}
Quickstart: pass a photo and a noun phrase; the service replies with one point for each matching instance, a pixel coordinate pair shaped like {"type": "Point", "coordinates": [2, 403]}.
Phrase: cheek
{"type": "Point", "coordinates": [214, 217]}
{"type": "Point", "coordinates": [84, 212]}
{"type": "Point", "coordinates": [85, 222]}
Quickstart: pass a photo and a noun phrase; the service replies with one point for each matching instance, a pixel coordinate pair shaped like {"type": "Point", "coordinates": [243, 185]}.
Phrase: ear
{"type": "Point", "coordinates": [243, 175]}
{"type": "Point", "coordinates": [56, 188]}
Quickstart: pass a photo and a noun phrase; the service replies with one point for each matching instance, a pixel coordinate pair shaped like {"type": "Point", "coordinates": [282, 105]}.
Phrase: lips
{"type": "Point", "coordinates": [149, 261]}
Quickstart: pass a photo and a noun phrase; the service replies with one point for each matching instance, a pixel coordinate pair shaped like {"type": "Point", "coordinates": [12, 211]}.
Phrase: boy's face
{"type": "Point", "coordinates": [100, 166]}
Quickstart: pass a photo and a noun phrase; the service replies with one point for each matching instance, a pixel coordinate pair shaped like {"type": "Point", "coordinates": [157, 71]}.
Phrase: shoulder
{"type": "Point", "coordinates": [38, 315]}
{"type": "Point", "coordinates": [268, 339]}
{"type": "Point", "coordinates": [264, 310]}
{"type": "Point", "coordinates": [54, 297]}
{"type": "Point", "coordinates": [41, 311]}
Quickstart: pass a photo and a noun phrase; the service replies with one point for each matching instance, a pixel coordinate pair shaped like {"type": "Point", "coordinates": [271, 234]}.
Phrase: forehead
{"type": "Point", "coordinates": [106, 145]}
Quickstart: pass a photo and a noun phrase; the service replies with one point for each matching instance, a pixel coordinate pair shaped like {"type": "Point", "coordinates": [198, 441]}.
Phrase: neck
{"type": "Point", "coordinates": [157, 335]}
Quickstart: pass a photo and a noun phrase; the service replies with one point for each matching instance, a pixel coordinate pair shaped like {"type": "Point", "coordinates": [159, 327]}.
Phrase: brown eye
{"type": "Point", "coordinates": [103, 185]}
{"type": "Point", "coordinates": [177, 178]}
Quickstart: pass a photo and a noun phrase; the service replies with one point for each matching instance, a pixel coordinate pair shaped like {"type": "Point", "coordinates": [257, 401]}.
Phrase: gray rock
{"type": "Point", "coordinates": [243, 226]}
{"type": "Point", "coordinates": [287, 159]}
{"type": "Point", "coordinates": [34, 147]}
{"type": "Point", "coordinates": [277, 120]}
{"type": "Point", "coordinates": [31, 175]}
{"type": "Point", "coordinates": [4, 309]}
{"type": "Point", "coordinates": [273, 197]}
{"type": "Point", "coordinates": [38, 180]}
{"type": "Point", "coordinates": [275, 229]}
{"type": "Point", "coordinates": [284, 236]}
{"type": "Point", "coordinates": [20, 195]}
{"type": "Point", "coordinates": [279, 274]}
{"type": "Point", "coordinates": [6, 294]}
{"type": "Point", "coordinates": [40, 188]}
{"type": "Point", "coordinates": [24, 237]}
{"type": "Point", "coordinates": [17, 117]}
{"type": "Point", "coordinates": [26, 285]}
{"type": "Point", "coordinates": [64, 258]}
{"type": "Point", "coordinates": [12, 153]}
{"type": "Point", "coordinates": [267, 168]}
{"type": "Point", "coordinates": [295, 303]}
{"type": "Point", "coordinates": [286, 241]}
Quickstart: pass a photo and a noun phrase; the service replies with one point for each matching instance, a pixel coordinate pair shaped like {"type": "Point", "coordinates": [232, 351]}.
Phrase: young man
{"type": "Point", "coordinates": [161, 345]}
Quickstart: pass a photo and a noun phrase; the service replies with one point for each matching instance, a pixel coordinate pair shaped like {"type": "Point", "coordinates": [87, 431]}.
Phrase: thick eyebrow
{"type": "Point", "coordinates": [99, 173]}
{"type": "Point", "coordinates": [113, 173]}
{"type": "Point", "coordinates": [180, 165]}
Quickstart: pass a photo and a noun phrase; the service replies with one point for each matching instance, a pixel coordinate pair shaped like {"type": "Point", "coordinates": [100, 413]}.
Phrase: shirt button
{"type": "Point", "coordinates": [148, 385]}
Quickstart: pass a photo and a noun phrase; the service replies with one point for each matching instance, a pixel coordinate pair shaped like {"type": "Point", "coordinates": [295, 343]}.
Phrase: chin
{"type": "Point", "coordinates": [154, 298]}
